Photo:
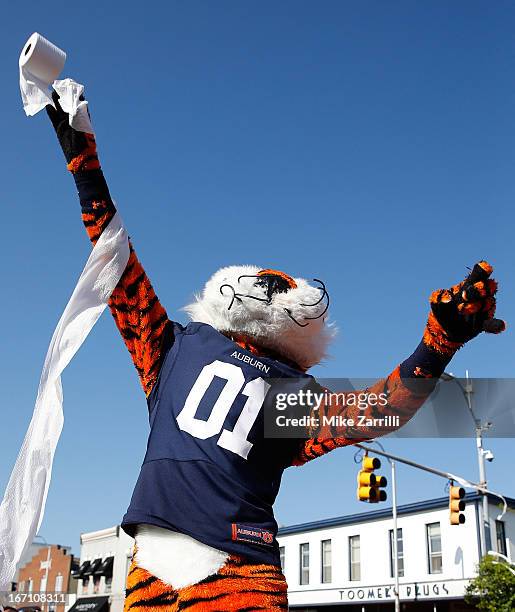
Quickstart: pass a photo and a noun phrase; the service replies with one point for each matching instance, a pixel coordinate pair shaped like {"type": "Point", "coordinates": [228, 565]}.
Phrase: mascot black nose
{"type": "Point", "coordinates": [274, 281]}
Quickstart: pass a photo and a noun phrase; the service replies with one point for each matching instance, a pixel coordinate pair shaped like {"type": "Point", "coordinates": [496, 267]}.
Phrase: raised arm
{"type": "Point", "coordinates": [457, 315]}
{"type": "Point", "coordinates": [140, 317]}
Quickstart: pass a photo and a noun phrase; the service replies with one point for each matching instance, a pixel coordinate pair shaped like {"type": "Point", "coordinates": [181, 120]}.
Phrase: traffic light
{"type": "Point", "coordinates": [370, 485]}
{"type": "Point", "coordinates": [456, 505]}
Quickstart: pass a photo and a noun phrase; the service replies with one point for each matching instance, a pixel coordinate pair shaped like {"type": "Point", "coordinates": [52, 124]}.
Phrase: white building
{"type": "Point", "coordinates": [347, 562]}
{"type": "Point", "coordinates": [105, 557]}
{"type": "Point", "coordinates": [340, 563]}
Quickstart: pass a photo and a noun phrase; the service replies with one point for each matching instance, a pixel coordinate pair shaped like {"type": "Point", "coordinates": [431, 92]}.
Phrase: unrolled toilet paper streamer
{"type": "Point", "coordinates": [41, 62]}
{"type": "Point", "coordinates": [23, 505]}
{"type": "Point", "coordinates": [69, 98]}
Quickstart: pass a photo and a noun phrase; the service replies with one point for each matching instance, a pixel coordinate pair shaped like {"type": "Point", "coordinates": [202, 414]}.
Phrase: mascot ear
{"type": "Point", "coordinates": [218, 305]}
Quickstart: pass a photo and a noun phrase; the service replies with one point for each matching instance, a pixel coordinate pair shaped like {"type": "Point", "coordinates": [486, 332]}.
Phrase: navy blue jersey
{"type": "Point", "coordinates": [209, 472]}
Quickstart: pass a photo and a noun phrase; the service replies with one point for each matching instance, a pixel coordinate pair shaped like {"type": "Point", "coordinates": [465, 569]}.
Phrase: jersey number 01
{"type": "Point", "coordinates": [255, 391]}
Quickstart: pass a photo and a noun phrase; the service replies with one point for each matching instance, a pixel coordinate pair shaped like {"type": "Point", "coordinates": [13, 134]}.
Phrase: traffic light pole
{"type": "Point", "coordinates": [484, 523]}
{"type": "Point", "coordinates": [447, 475]}
{"type": "Point", "coordinates": [395, 539]}
{"type": "Point", "coordinates": [486, 541]}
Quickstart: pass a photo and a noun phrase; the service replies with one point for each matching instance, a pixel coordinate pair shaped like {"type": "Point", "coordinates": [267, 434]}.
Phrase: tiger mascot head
{"type": "Point", "coordinates": [267, 309]}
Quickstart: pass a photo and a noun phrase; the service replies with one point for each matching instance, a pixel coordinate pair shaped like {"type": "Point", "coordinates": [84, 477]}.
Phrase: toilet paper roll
{"type": "Point", "coordinates": [42, 59]}
{"type": "Point", "coordinates": [41, 62]}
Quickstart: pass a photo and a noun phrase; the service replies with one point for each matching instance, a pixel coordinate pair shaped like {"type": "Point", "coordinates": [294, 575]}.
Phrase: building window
{"type": "Point", "coordinates": [30, 585]}
{"type": "Point", "coordinates": [434, 548]}
{"type": "Point", "coordinates": [500, 536]}
{"type": "Point", "coordinates": [304, 564]}
{"type": "Point", "coordinates": [85, 585]}
{"type": "Point", "coordinates": [58, 583]}
{"type": "Point", "coordinates": [21, 586]}
{"type": "Point", "coordinates": [326, 561]}
{"type": "Point", "coordinates": [282, 556]}
{"type": "Point", "coordinates": [96, 584]}
{"type": "Point", "coordinates": [108, 584]}
{"type": "Point", "coordinates": [354, 558]}
{"type": "Point", "coordinates": [400, 554]}
{"type": "Point", "coordinates": [42, 584]}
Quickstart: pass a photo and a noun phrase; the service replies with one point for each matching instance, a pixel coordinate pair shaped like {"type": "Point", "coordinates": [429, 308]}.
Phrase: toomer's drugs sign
{"type": "Point", "coordinates": [410, 591]}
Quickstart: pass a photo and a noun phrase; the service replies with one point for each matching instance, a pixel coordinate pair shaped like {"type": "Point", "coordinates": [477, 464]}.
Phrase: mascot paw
{"type": "Point", "coordinates": [79, 148]}
{"type": "Point", "coordinates": [462, 312]}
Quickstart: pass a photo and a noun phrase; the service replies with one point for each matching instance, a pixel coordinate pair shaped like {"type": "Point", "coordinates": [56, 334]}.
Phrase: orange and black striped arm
{"type": "Point", "coordinates": [457, 315]}
{"type": "Point", "coordinates": [139, 315]}
{"type": "Point", "coordinates": [346, 418]}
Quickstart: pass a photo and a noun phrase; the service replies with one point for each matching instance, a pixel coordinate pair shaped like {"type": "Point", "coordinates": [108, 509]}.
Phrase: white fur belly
{"type": "Point", "coordinates": [176, 558]}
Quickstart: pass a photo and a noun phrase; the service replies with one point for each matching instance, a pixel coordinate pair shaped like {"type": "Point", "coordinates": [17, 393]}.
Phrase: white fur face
{"type": "Point", "coordinates": [224, 304]}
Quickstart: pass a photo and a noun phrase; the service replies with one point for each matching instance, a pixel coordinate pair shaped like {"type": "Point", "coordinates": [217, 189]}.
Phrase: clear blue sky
{"type": "Point", "coordinates": [367, 144]}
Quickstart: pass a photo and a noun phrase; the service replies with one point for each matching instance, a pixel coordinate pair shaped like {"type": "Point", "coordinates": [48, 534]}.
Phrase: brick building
{"type": "Point", "coordinates": [49, 571]}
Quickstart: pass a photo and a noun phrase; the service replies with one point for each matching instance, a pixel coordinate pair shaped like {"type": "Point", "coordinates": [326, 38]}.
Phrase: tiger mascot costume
{"type": "Point", "coordinates": [201, 512]}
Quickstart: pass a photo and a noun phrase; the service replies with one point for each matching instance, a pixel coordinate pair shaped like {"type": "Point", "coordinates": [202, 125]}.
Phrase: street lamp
{"type": "Point", "coordinates": [508, 563]}
{"type": "Point", "coordinates": [41, 538]}
{"type": "Point", "coordinates": [482, 454]}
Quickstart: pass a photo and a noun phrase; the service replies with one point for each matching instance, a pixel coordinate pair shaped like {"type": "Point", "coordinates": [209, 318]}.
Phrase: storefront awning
{"type": "Point", "coordinates": [91, 604]}
{"type": "Point", "coordinates": [106, 568]}
{"type": "Point", "coordinates": [92, 569]}
{"type": "Point", "coordinates": [82, 569]}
